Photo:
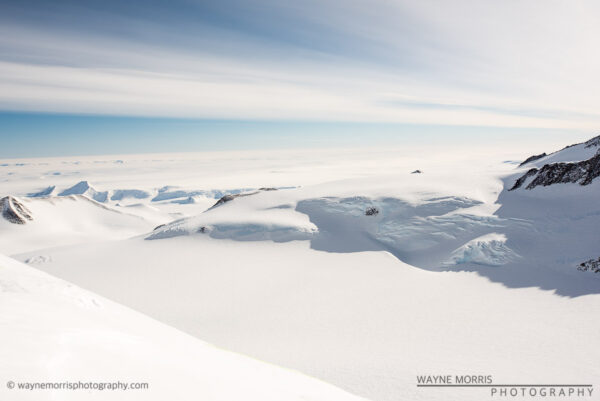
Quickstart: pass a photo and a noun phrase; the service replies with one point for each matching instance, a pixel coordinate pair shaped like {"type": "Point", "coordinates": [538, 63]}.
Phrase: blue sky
{"type": "Point", "coordinates": [81, 77]}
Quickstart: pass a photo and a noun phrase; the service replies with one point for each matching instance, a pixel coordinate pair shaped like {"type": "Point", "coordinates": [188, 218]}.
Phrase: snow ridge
{"type": "Point", "coordinates": [43, 193]}
{"type": "Point", "coordinates": [84, 188]}
{"type": "Point", "coordinates": [533, 158]}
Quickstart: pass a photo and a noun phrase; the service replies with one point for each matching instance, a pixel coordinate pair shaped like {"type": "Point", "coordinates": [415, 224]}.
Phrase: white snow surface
{"type": "Point", "coordinates": [453, 275]}
{"type": "Point", "coordinates": [572, 153]}
{"type": "Point", "coordinates": [489, 249]}
{"type": "Point", "coordinates": [363, 321]}
{"type": "Point", "coordinates": [64, 220]}
{"type": "Point", "coordinates": [55, 332]}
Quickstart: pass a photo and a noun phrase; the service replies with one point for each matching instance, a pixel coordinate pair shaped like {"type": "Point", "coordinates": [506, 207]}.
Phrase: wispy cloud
{"type": "Point", "coordinates": [508, 64]}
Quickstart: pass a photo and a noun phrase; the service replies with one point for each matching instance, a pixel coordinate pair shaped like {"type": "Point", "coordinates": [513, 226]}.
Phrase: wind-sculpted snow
{"type": "Point", "coordinates": [244, 231]}
{"type": "Point", "coordinates": [241, 223]}
{"type": "Point", "coordinates": [390, 207]}
{"type": "Point", "coordinates": [422, 234]}
{"type": "Point", "coordinates": [169, 195]}
{"type": "Point", "coordinates": [260, 232]}
{"type": "Point", "coordinates": [419, 239]}
{"type": "Point", "coordinates": [214, 193]}
{"type": "Point", "coordinates": [489, 250]}
{"type": "Point", "coordinates": [190, 200]}
{"type": "Point", "coordinates": [120, 194]}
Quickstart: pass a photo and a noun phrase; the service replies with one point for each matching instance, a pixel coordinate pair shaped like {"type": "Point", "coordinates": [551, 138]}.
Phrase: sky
{"type": "Point", "coordinates": [89, 77]}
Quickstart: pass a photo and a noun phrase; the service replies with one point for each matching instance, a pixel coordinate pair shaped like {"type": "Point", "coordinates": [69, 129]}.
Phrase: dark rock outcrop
{"type": "Point", "coordinates": [592, 265]}
{"type": "Point", "coordinates": [582, 172]}
{"type": "Point", "coordinates": [229, 198]}
{"type": "Point", "coordinates": [594, 142]}
{"type": "Point", "coordinates": [417, 172]}
{"type": "Point", "coordinates": [14, 211]}
{"type": "Point", "coordinates": [533, 158]}
{"type": "Point", "coordinates": [524, 178]}
{"type": "Point", "coordinates": [371, 211]}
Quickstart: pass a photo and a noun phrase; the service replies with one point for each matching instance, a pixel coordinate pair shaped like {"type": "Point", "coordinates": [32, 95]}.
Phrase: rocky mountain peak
{"type": "Point", "coordinates": [14, 211]}
{"type": "Point", "coordinates": [582, 172]}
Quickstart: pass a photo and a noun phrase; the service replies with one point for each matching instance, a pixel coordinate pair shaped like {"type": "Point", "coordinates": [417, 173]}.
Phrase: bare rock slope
{"type": "Point", "coordinates": [582, 172]}
{"type": "Point", "coordinates": [14, 211]}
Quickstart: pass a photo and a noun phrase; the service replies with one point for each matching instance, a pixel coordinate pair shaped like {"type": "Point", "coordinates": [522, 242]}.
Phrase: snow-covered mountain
{"type": "Point", "coordinates": [84, 188]}
{"type": "Point", "coordinates": [557, 198]}
{"type": "Point", "coordinates": [65, 220]}
{"type": "Point", "coordinates": [569, 165]}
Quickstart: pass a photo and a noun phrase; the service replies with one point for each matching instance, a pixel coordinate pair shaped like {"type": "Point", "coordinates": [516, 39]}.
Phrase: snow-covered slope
{"type": "Point", "coordinates": [436, 231]}
{"type": "Point", "coordinates": [65, 220]}
{"type": "Point", "coordinates": [448, 275]}
{"type": "Point", "coordinates": [571, 153]}
{"type": "Point", "coordinates": [363, 321]}
{"type": "Point", "coordinates": [558, 200]}
{"type": "Point", "coordinates": [54, 332]}
{"type": "Point", "coordinates": [262, 218]}
{"type": "Point", "coordinates": [422, 231]}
